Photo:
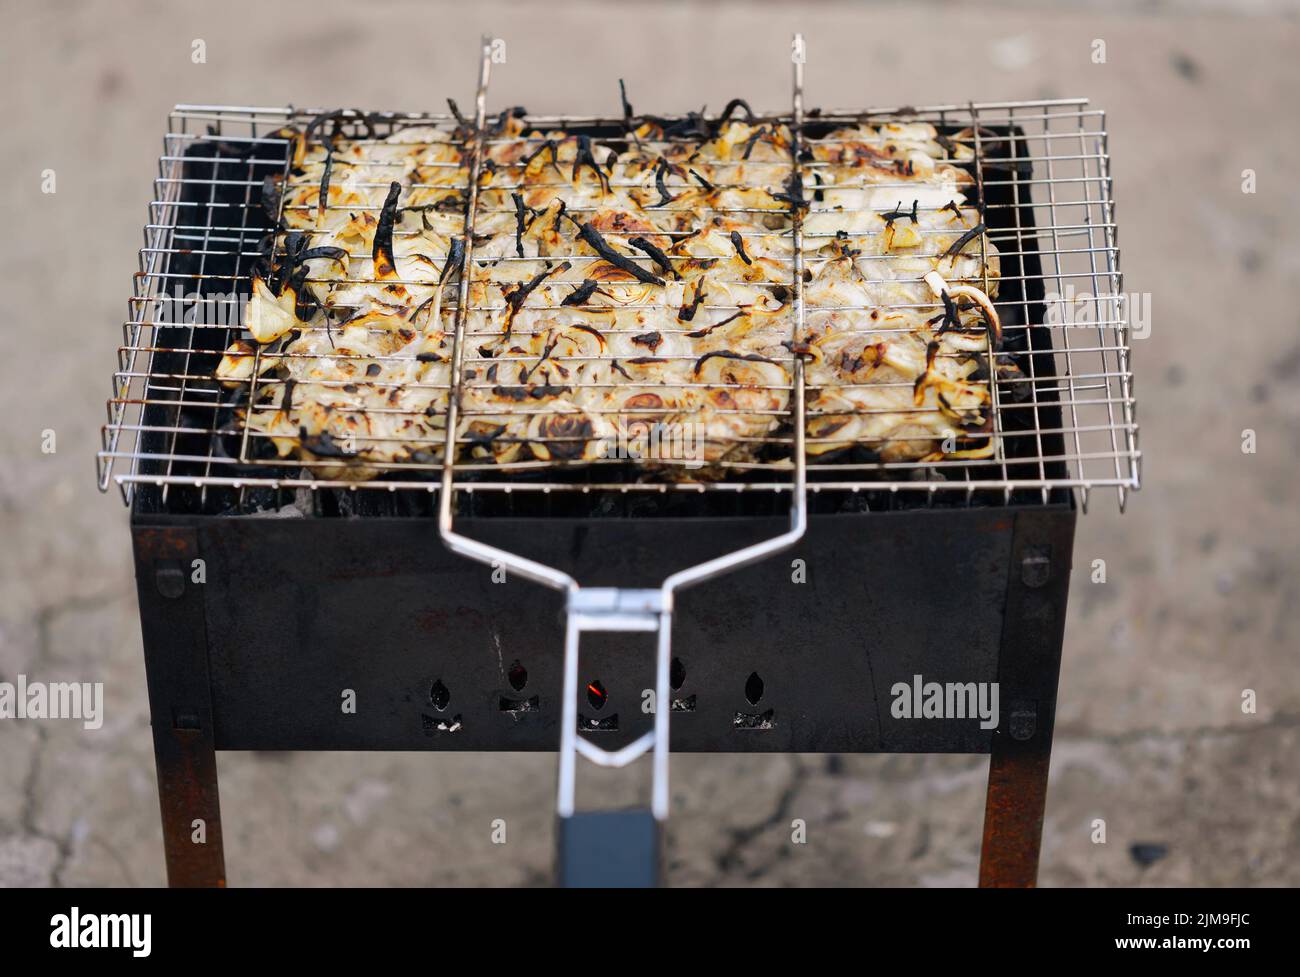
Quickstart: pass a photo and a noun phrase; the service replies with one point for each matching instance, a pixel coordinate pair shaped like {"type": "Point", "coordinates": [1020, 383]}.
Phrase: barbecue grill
{"type": "Point", "coordinates": [287, 607]}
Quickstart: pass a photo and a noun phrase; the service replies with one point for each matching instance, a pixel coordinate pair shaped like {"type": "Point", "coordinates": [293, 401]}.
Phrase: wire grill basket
{"type": "Point", "coordinates": [1064, 420]}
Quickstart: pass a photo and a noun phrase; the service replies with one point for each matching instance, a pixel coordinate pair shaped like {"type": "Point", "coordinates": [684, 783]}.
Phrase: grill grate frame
{"type": "Point", "coordinates": [1042, 171]}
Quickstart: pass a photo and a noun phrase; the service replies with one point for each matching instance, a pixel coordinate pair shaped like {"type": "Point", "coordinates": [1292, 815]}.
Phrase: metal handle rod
{"type": "Point", "coordinates": [798, 503]}
{"type": "Point", "coordinates": [457, 543]}
{"type": "Point", "coordinates": [663, 712]}
{"type": "Point", "coordinates": [567, 786]}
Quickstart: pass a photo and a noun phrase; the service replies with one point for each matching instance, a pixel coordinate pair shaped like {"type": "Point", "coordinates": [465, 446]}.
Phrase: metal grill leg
{"type": "Point", "coordinates": [174, 628]}
{"type": "Point", "coordinates": [1033, 627]}
{"type": "Point", "coordinates": [1013, 814]}
{"type": "Point", "coordinates": [191, 809]}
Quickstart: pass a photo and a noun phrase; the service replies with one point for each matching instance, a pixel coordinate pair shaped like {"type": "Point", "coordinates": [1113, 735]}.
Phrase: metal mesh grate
{"type": "Point", "coordinates": [1062, 419]}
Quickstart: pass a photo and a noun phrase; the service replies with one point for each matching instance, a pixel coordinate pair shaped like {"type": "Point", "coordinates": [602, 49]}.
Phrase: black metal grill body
{"type": "Point", "coordinates": [295, 611]}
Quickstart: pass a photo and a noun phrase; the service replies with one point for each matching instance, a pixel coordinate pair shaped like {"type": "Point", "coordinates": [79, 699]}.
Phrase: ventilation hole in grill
{"type": "Point", "coordinates": [517, 676]}
{"type": "Point", "coordinates": [597, 695]}
{"type": "Point", "coordinates": [676, 674]}
{"type": "Point", "coordinates": [753, 688]}
{"type": "Point", "coordinates": [439, 695]}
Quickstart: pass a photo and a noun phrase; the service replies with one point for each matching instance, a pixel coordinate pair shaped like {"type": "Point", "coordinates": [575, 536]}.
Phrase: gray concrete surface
{"type": "Point", "coordinates": [1203, 592]}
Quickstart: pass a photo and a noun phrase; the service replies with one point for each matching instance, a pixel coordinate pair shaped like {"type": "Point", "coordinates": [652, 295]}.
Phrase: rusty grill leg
{"type": "Point", "coordinates": [170, 588]}
{"type": "Point", "coordinates": [1029, 665]}
{"type": "Point", "coordinates": [1013, 813]}
{"type": "Point", "coordinates": [191, 812]}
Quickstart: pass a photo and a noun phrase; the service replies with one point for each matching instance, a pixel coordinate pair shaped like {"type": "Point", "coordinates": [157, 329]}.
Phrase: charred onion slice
{"type": "Point", "coordinates": [236, 366]}
{"type": "Point", "coordinates": [385, 267]}
{"type": "Point", "coordinates": [598, 244]}
{"type": "Point", "coordinates": [517, 296]}
{"type": "Point", "coordinates": [582, 294]}
{"type": "Point", "coordinates": [269, 316]}
{"type": "Point", "coordinates": [656, 253]}
{"type": "Point", "coordinates": [568, 433]}
{"type": "Point", "coordinates": [965, 239]}
{"type": "Point", "coordinates": [939, 287]}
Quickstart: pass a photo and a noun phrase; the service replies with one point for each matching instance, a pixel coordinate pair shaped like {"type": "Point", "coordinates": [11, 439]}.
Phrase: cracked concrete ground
{"type": "Point", "coordinates": [1203, 592]}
